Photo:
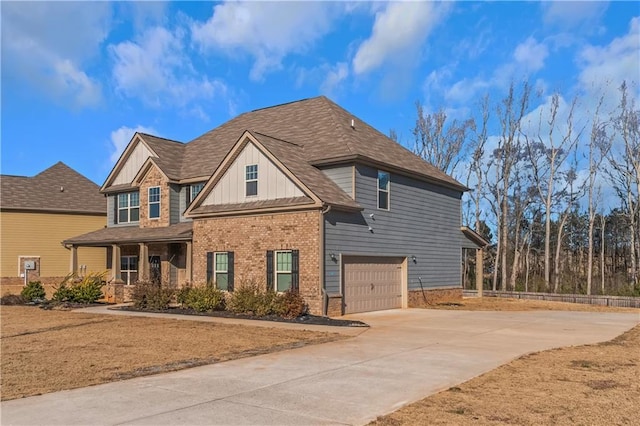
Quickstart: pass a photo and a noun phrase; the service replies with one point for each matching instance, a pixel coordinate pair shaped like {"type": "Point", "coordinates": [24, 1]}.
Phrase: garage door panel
{"type": "Point", "coordinates": [372, 283]}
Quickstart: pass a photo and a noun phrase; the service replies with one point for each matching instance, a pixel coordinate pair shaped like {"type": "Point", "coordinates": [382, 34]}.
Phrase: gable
{"type": "Point", "coordinates": [129, 169]}
{"type": "Point", "coordinates": [273, 183]}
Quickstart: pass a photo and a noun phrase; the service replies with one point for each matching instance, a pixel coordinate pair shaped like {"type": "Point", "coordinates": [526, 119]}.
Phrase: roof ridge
{"type": "Point", "coordinates": [275, 138]}
{"type": "Point", "coordinates": [336, 122]}
{"type": "Point", "coordinates": [160, 137]}
{"type": "Point", "coordinates": [287, 103]}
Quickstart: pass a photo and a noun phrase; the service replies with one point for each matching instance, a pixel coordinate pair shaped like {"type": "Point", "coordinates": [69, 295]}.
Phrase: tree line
{"type": "Point", "coordinates": [555, 187]}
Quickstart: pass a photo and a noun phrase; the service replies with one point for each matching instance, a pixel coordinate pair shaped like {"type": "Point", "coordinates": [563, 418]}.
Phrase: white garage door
{"type": "Point", "coordinates": [372, 283]}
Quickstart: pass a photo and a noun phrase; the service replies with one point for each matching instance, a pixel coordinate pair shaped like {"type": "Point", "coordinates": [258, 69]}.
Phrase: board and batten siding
{"type": "Point", "coordinates": [341, 176]}
{"type": "Point", "coordinates": [272, 183]}
{"type": "Point", "coordinates": [183, 202]}
{"type": "Point", "coordinates": [423, 221]}
{"type": "Point", "coordinates": [131, 167]}
{"type": "Point", "coordinates": [41, 235]}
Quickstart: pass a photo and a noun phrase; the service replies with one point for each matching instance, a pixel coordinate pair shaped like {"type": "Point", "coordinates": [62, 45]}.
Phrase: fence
{"type": "Point", "coordinates": [616, 301]}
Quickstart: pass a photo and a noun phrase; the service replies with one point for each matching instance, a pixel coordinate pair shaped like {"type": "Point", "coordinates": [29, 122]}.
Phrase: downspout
{"type": "Point", "coordinates": [325, 297]}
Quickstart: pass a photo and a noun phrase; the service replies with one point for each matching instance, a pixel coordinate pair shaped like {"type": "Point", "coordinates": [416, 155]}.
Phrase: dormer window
{"type": "Point", "coordinates": [154, 202]}
{"type": "Point", "coordinates": [128, 207]}
{"type": "Point", "coordinates": [251, 180]}
{"type": "Point", "coordinates": [383, 190]}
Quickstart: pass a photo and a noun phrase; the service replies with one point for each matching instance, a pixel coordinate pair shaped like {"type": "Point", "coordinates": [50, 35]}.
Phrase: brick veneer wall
{"type": "Point", "coordinates": [154, 178]}
{"type": "Point", "coordinates": [249, 237]}
{"type": "Point", "coordinates": [14, 285]}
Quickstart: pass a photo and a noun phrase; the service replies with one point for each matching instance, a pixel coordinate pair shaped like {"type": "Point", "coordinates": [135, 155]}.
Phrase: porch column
{"type": "Point", "coordinates": [73, 261]}
{"type": "Point", "coordinates": [188, 254]}
{"type": "Point", "coordinates": [143, 262]}
{"type": "Point", "coordinates": [479, 270]}
{"type": "Point", "coordinates": [115, 265]}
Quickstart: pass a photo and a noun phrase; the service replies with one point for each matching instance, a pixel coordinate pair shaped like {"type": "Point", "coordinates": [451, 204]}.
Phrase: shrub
{"type": "Point", "coordinates": [244, 299]}
{"type": "Point", "coordinates": [153, 296]}
{"type": "Point", "coordinates": [87, 289]}
{"type": "Point", "coordinates": [11, 299]}
{"type": "Point", "coordinates": [33, 291]}
{"type": "Point", "coordinates": [202, 298]}
{"type": "Point", "coordinates": [291, 305]}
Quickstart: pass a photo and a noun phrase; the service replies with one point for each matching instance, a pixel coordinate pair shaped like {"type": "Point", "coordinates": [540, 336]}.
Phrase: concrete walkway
{"type": "Point", "coordinates": [405, 356]}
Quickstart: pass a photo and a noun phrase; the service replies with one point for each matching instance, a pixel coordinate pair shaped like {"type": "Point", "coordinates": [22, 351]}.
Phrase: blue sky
{"type": "Point", "coordinates": [78, 78]}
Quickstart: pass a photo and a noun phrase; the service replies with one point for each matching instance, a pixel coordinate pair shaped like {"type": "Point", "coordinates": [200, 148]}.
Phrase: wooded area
{"type": "Point", "coordinates": [555, 187]}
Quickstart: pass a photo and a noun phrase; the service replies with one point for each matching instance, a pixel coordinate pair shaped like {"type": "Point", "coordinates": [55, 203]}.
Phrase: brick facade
{"type": "Point", "coordinates": [249, 237]}
{"type": "Point", "coordinates": [154, 178]}
{"type": "Point", "coordinates": [438, 295]}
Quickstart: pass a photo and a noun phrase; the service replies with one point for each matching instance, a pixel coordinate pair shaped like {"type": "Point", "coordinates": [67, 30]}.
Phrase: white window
{"type": "Point", "coordinates": [128, 207]}
{"type": "Point", "coordinates": [383, 190]}
{"type": "Point", "coordinates": [129, 269]}
{"type": "Point", "coordinates": [195, 190]}
{"type": "Point", "coordinates": [251, 180]}
{"type": "Point", "coordinates": [221, 270]}
{"type": "Point", "coordinates": [154, 202]}
{"type": "Point", "coordinates": [283, 270]}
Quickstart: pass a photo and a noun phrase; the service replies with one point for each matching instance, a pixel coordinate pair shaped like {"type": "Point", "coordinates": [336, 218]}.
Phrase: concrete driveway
{"type": "Point", "coordinates": [405, 356]}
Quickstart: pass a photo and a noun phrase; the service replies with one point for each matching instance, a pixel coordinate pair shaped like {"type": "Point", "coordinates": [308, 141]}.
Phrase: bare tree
{"type": "Point", "coordinates": [441, 143]}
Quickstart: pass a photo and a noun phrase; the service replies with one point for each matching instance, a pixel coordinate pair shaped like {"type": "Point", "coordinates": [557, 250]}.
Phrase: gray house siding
{"type": "Point", "coordinates": [182, 203]}
{"type": "Point", "coordinates": [423, 221]}
{"type": "Point", "coordinates": [174, 206]}
{"type": "Point", "coordinates": [342, 176]}
{"type": "Point", "coordinates": [111, 213]}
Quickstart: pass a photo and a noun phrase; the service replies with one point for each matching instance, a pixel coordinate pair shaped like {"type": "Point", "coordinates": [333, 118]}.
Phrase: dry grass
{"type": "Point", "coordinates": [583, 385]}
{"type": "Point", "coordinates": [46, 351]}
{"type": "Point", "coordinates": [504, 304]}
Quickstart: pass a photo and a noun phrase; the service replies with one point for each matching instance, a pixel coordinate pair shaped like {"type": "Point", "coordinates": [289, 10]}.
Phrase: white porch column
{"type": "Point", "coordinates": [115, 264]}
{"type": "Point", "coordinates": [143, 262]}
{"type": "Point", "coordinates": [189, 254]}
{"type": "Point", "coordinates": [73, 261]}
{"type": "Point", "coordinates": [479, 270]}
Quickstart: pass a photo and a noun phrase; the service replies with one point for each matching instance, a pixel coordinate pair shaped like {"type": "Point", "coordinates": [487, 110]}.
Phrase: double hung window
{"type": "Point", "coordinates": [128, 207]}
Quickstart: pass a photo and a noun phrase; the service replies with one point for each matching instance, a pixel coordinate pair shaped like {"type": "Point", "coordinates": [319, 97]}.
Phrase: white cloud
{"type": "Point", "coordinates": [156, 69]}
{"type": "Point", "coordinates": [531, 55]}
{"type": "Point", "coordinates": [334, 78]}
{"type": "Point", "coordinates": [569, 14]}
{"type": "Point", "coordinates": [121, 137]}
{"type": "Point", "coordinates": [47, 44]}
{"type": "Point", "coordinates": [267, 31]}
{"type": "Point", "coordinates": [398, 34]}
{"type": "Point", "coordinates": [607, 66]}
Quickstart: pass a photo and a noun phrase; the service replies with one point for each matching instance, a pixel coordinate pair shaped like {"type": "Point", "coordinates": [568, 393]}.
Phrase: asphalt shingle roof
{"type": "Point", "coordinates": [56, 189]}
{"type": "Point", "coordinates": [134, 234]}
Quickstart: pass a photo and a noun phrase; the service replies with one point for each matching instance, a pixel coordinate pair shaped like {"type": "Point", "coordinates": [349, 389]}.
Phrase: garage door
{"type": "Point", "coordinates": [372, 283]}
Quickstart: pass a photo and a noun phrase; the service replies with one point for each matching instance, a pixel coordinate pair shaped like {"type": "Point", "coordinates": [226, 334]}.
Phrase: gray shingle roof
{"type": "Point", "coordinates": [134, 234]}
{"type": "Point", "coordinates": [56, 189]}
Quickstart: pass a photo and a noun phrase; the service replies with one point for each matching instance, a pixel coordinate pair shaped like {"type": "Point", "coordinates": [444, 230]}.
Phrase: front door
{"type": "Point", "coordinates": [155, 272]}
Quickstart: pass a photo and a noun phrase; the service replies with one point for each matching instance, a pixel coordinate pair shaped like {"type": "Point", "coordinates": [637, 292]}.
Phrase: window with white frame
{"type": "Point", "coordinates": [221, 270]}
{"type": "Point", "coordinates": [154, 202]}
{"type": "Point", "coordinates": [194, 190]}
{"type": "Point", "coordinates": [383, 190]}
{"type": "Point", "coordinates": [283, 270]}
{"type": "Point", "coordinates": [251, 180]}
{"type": "Point", "coordinates": [128, 207]}
{"type": "Point", "coordinates": [129, 269]}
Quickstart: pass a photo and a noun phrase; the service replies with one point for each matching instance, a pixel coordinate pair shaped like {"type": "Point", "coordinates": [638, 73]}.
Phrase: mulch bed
{"type": "Point", "coordinates": [304, 319]}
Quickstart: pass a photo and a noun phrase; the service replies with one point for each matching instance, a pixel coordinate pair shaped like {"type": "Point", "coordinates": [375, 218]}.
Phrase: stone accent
{"type": "Point", "coordinates": [433, 296]}
{"type": "Point", "coordinates": [249, 237]}
{"type": "Point", "coordinates": [113, 293]}
{"type": "Point", "coordinates": [154, 178]}
{"type": "Point", "coordinates": [335, 308]}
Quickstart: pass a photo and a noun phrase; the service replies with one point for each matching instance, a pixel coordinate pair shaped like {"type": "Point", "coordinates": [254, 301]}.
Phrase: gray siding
{"type": "Point", "coordinates": [182, 203]}
{"type": "Point", "coordinates": [423, 221]}
{"type": "Point", "coordinates": [111, 199]}
{"type": "Point", "coordinates": [342, 176]}
{"type": "Point", "coordinates": [174, 206]}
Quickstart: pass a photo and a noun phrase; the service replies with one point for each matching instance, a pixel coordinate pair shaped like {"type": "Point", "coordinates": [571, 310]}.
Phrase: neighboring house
{"type": "Point", "coordinates": [36, 214]}
{"type": "Point", "coordinates": [302, 195]}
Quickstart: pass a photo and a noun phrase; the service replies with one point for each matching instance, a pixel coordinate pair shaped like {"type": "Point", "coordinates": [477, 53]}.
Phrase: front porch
{"type": "Point", "coordinates": [162, 255]}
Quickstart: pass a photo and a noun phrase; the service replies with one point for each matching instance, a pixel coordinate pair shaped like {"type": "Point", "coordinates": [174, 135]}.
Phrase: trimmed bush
{"type": "Point", "coordinates": [87, 289]}
{"type": "Point", "coordinates": [33, 291]}
{"type": "Point", "coordinates": [11, 299]}
{"type": "Point", "coordinates": [152, 296]}
{"type": "Point", "coordinates": [291, 305]}
{"type": "Point", "coordinates": [244, 299]}
{"type": "Point", "coordinates": [202, 298]}
{"type": "Point", "coordinates": [249, 299]}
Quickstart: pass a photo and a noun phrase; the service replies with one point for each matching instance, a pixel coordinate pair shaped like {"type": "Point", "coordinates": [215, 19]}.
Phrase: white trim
{"type": "Point", "coordinates": [276, 272]}
{"type": "Point", "coordinates": [159, 202]}
{"type": "Point", "coordinates": [387, 191]}
{"type": "Point", "coordinates": [128, 282]}
{"type": "Point", "coordinates": [216, 270]}
{"type": "Point", "coordinates": [128, 208]}
{"type": "Point", "coordinates": [191, 196]}
{"type": "Point", "coordinates": [20, 262]}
